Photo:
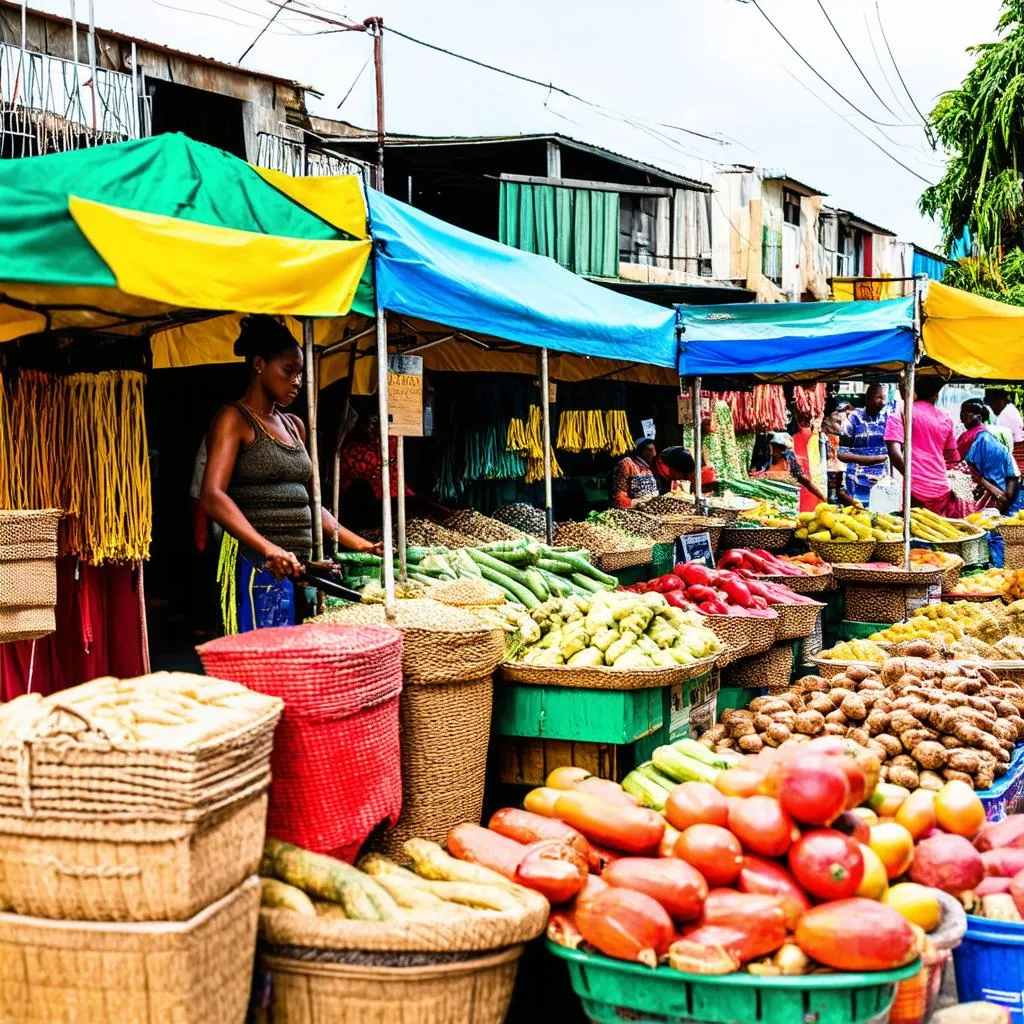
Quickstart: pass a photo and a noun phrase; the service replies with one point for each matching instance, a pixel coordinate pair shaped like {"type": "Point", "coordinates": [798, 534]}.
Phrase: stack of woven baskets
{"type": "Point", "coordinates": [131, 825]}
{"type": "Point", "coordinates": [28, 573]}
{"type": "Point", "coordinates": [449, 656]}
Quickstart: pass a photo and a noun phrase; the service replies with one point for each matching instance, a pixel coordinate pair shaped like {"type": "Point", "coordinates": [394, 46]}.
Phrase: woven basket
{"type": "Point", "coordinates": [801, 584]}
{"type": "Point", "coordinates": [845, 551]}
{"type": "Point", "coordinates": [773, 670]}
{"type": "Point", "coordinates": [606, 677]}
{"type": "Point", "coordinates": [459, 645]}
{"type": "Point", "coordinates": [640, 524]}
{"type": "Point", "coordinates": [613, 561]}
{"type": "Point", "coordinates": [1013, 540]}
{"type": "Point", "coordinates": [1013, 557]}
{"type": "Point", "coordinates": [477, 990]}
{"type": "Point", "coordinates": [755, 634]}
{"type": "Point", "coordinates": [28, 573]}
{"type": "Point", "coordinates": [137, 871]}
{"type": "Point", "coordinates": [797, 621]}
{"type": "Point", "coordinates": [26, 624]}
{"type": "Point", "coordinates": [445, 731]}
{"type": "Point", "coordinates": [769, 538]}
{"type": "Point", "coordinates": [191, 972]}
{"type": "Point", "coordinates": [873, 603]}
{"type": "Point", "coordinates": [80, 777]}
{"type": "Point", "coordinates": [973, 548]}
{"type": "Point", "coordinates": [337, 760]}
{"type": "Point", "coordinates": [923, 576]}
{"type": "Point", "coordinates": [712, 525]}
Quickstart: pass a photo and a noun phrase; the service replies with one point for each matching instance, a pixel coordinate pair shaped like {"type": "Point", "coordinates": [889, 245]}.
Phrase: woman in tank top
{"type": "Point", "coordinates": [256, 483]}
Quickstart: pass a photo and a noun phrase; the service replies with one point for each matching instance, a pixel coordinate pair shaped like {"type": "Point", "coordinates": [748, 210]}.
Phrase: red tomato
{"type": "Point", "coordinates": [813, 789]}
{"type": "Point", "coordinates": [854, 825]}
{"type": "Point", "coordinates": [714, 851]}
{"type": "Point", "coordinates": [696, 803]}
{"type": "Point", "coordinates": [827, 864]}
{"type": "Point", "coordinates": [770, 878]}
{"type": "Point", "coordinates": [860, 764]}
{"type": "Point", "coordinates": [761, 825]}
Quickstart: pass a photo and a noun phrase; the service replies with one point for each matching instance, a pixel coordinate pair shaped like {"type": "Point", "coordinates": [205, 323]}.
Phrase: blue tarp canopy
{"type": "Point", "coordinates": [794, 337]}
{"type": "Point", "coordinates": [432, 270]}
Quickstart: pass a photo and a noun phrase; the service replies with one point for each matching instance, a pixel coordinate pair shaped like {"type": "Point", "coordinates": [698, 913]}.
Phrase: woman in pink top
{"type": "Point", "coordinates": [933, 450]}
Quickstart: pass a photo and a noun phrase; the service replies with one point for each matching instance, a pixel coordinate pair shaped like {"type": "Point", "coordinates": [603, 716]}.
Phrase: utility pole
{"type": "Point", "coordinates": [375, 25]}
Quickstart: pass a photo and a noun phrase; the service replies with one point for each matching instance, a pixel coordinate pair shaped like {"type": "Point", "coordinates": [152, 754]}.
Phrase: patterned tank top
{"type": "Point", "coordinates": [269, 486]}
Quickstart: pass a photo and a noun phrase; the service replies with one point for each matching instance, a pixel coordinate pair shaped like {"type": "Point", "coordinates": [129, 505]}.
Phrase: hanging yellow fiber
{"type": "Point", "coordinates": [6, 449]}
{"type": "Point", "coordinates": [617, 429]}
{"type": "Point", "coordinates": [227, 577]}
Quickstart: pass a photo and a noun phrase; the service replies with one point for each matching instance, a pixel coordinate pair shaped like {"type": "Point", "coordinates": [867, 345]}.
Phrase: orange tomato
{"type": "Point", "coordinates": [917, 903]}
{"type": "Point", "coordinates": [876, 880]}
{"type": "Point", "coordinates": [739, 782]}
{"type": "Point", "coordinates": [894, 846]}
{"type": "Point", "coordinates": [958, 809]}
{"type": "Point", "coordinates": [917, 813]}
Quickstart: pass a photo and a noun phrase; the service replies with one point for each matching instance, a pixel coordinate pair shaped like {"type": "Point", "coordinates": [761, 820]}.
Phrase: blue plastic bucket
{"type": "Point", "coordinates": [989, 965]}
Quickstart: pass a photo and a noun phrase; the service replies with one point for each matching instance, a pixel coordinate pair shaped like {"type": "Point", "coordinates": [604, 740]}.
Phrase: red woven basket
{"type": "Point", "coordinates": [336, 765]}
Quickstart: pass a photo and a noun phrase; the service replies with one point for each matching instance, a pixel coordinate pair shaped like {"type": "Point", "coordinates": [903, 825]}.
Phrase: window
{"type": "Point", "coordinates": [790, 207]}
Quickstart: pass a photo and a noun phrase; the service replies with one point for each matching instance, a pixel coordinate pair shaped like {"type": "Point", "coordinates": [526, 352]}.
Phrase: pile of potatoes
{"type": "Point", "coordinates": [927, 721]}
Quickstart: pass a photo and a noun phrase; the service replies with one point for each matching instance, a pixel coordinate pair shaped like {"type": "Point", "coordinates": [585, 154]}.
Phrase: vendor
{"type": "Point", "coordinates": [784, 463]}
{"type": "Point", "coordinates": [633, 478]}
{"type": "Point", "coordinates": [676, 464]}
{"type": "Point", "coordinates": [995, 474]}
{"type": "Point", "coordinates": [257, 476]}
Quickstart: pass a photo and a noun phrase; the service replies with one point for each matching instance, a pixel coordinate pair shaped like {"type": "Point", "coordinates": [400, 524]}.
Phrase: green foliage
{"type": "Point", "coordinates": [980, 126]}
{"type": "Point", "coordinates": [1002, 279]}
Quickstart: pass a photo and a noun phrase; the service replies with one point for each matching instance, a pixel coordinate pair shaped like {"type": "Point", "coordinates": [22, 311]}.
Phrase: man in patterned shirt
{"type": "Point", "coordinates": [862, 445]}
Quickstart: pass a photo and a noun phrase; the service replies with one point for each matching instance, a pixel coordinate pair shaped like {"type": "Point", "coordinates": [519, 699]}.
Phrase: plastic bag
{"type": "Point", "coordinates": [886, 495]}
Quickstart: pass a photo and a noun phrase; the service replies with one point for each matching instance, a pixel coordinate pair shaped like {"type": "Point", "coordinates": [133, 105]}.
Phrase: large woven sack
{"type": "Point", "coordinates": [336, 765]}
{"type": "Point", "coordinates": [28, 573]}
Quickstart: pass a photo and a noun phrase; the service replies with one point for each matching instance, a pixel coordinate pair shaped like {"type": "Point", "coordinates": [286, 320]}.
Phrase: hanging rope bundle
{"type": "Point", "coordinates": [78, 443]}
{"type": "Point", "coordinates": [617, 429]}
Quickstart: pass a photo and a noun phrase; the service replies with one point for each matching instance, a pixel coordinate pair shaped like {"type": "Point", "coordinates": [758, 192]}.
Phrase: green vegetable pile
{"type": "Point", "coordinates": [527, 572]}
{"type": "Point", "coordinates": [621, 629]}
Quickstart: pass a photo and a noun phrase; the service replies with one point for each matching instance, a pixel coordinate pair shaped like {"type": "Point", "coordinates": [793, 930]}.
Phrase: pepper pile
{"type": "Point", "coordinates": [761, 408]}
{"type": "Point", "coordinates": [764, 563]}
{"type": "Point", "coordinates": [692, 586]}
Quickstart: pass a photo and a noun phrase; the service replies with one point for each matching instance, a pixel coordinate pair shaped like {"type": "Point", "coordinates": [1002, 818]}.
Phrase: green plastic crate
{"type": "Point", "coordinates": [850, 630]}
{"type": "Point", "coordinates": [736, 697]}
{"type": "Point", "coordinates": [663, 560]}
{"type": "Point", "coordinates": [613, 991]}
{"type": "Point", "coordinates": [574, 713]}
{"type": "Point", "coordinates": [634, 574]}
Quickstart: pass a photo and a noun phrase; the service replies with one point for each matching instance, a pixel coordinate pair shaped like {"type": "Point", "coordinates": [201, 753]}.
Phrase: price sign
{"type": "Point", "coordinates": [405, 396]}
{"type": "Point", "coordinates": [695, 547]}
{"type": "Point", "coordinates": [648, 428]}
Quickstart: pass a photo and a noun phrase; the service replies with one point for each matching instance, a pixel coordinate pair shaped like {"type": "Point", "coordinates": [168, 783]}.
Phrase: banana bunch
{"type": "Point", "coordinates": [886, 527]}
{"type": "Point", "coordinates": [616, 427]}
{"type": "Point", "coordinates": [828, 522]}
{"type": "Point", "coordinates": [926, 525]}
{"type": "Point", "coordinates": [582, 430]}
{"type": "Point", "coordinates": [767, 513]}
{"type": "Point", "coordinates": [1017, 517]}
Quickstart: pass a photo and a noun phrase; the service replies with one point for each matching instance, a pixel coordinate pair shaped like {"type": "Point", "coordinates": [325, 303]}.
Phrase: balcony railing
{"type": "Point", "coordinates": [277, 153]}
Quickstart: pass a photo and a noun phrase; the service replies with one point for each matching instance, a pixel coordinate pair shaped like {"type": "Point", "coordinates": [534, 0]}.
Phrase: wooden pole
{"type": "Point", "coordinates": [385, 468]}
{"type": "Point", "coordinates": [545, 406]}
{"type": "Point", "coordinates": [309, 362]}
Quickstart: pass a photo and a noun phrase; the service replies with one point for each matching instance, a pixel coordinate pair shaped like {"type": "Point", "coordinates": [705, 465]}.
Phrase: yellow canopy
{"type": "Point", "coordinates": [973, 336]}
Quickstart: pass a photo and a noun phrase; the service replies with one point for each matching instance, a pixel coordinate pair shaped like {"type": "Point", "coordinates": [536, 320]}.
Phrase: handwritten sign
{"type": "Point", "coordinates": [648, 428]}
{"type": "Point", "coordinates": [405, 396]}
{"type": "Point", "coordinates": [695, 547]}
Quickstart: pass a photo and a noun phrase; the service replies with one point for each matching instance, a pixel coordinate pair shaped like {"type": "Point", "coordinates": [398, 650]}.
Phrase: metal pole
{"type": "Point", "coordinates": [92, 59]}
{"type": "Point", "coordinates": [136, 117]}
{"type": "Point", "coordinates": [385, 469]}
{"type": "Point", "coordinates": [376, 25]}
{"type": "Point", "coordinates": [908, 446]}
{"type": "Point", "coordinates": [698, 447]}
{"type": "Point", "coordinates": [545, 406]}
{"type": "Point", "coordinates": [314, 454]}
{"type": "Point", "coordinates": [74, 40]}
{"type": "Point", "coordinates": [403, 561]}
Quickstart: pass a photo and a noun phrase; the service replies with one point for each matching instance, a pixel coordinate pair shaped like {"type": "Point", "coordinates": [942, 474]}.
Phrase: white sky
{"type": "Point", "coordinates": [712, 65]}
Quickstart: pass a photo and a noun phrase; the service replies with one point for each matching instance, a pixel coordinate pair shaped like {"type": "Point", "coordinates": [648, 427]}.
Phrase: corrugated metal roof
{"type": "Point", "coordinates": [855, 221]}
{"type": "Point", "coordinates": [364, 135]}
{"type": "Point", "coordinates": [160, 47]}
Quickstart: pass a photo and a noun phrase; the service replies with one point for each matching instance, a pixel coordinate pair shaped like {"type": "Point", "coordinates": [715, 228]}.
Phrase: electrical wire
{"type": "Point", "coordinates": [856, 64]}
{"type": "Point", "coordinates": [857, 129]}
{"type": "Point", "coordinates": [901, 103]}
{"type": "Point", "coordinates": [549, 86]}
{"type": "Point", "coordinates": [209, 14]}
{"type": "Point", "coordinates": [259, 35]}
{"type": "Point", "coordinates": [899, 74]}
{"type": "Point", "coordinates": [359, 74]}
{"type": "Point", "coordinates": [782, 35]}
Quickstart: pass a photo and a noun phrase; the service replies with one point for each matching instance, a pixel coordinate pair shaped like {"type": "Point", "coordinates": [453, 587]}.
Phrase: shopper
{"type": "Point", "coordinates": [933, 450]}
{"type": "Point", "coordinates": [784, 463]}
{"type": "Point", "coordinates": [675, 464]}
{"type": "Point", "coordinates": [995, 474]}
{"type": "Point", "coordinates": [633, 478]}
{"type": "Point", "coordinates": [862, 445]}
{"type": "Point", "coordinates": [256, 479]}
{"type": "Point", "coordinates": [1008, 416]}
{"type": "Point", "coordinates": [833, 426]}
